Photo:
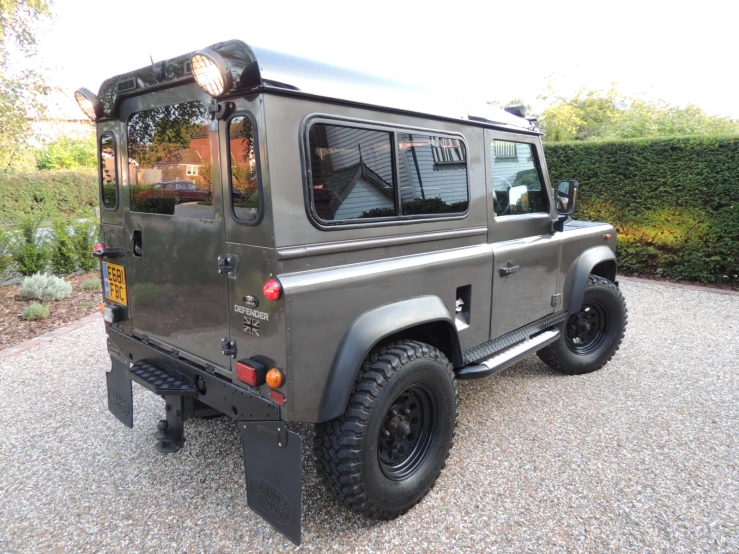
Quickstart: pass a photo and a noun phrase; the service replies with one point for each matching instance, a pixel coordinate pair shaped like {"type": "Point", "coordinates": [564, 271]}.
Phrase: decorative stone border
{"type": "Point", "coordinates": [50, 336]}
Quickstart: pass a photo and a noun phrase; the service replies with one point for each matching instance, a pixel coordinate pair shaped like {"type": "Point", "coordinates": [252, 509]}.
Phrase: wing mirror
{"type": "Point", "coordinates": [566, 198]}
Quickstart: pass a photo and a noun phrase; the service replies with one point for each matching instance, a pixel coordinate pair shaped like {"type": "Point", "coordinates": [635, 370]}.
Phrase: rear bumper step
{"type": "Point", "coordinates": [159, 381]}
{"type": "Point", "coordinates": [509, 356]}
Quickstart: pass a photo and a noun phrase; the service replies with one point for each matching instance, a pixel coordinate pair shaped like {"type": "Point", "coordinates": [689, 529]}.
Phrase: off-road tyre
{"type": "Point", "coordinates": [564, 356]}
{"type": "Point", "coordinates": [348, 450]}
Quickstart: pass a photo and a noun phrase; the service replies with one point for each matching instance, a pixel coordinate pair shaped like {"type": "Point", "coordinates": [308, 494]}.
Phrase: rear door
{"type": "Point", "coordinates": [176, 295]}
{"type": "Point", "coordinates": [525, 251]}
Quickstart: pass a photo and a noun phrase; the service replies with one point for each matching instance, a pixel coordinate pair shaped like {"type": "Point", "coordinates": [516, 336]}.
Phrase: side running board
{"type": "Point", "coordinates": [509, 356]}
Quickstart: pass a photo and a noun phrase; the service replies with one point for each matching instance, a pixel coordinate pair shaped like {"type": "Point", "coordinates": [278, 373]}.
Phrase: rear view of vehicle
{"type": "Point", "coordinates": [181, 197]}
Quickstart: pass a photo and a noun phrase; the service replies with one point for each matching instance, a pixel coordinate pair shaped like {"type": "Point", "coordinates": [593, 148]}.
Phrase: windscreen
{"type": "Point", "coordinates": [169, 161]}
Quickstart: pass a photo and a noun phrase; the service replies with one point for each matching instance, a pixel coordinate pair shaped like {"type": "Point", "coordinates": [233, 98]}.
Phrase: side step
{"type": "Point", "coordinates": [509, 356]}
{"type": "Point", "coordinates": [159, 381]}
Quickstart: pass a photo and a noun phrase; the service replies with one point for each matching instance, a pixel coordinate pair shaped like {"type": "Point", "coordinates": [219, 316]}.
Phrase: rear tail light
{"type": "Point", "coordinates": [277, 396]}
{"type": "Point", "coordinates": [272, 289]}
{"type": "Point", "coordinates": [98, 247]}
{"type": "Point", "coordinates": [250, 372]}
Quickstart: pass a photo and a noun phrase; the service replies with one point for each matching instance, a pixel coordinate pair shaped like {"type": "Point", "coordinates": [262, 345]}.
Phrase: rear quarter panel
{"type": "Point", "coordinates": [322, 304]}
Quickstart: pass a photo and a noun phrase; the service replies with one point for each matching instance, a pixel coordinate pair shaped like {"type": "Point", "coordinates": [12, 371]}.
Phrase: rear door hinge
{"type": "Point", "coordinates": [556, 299]}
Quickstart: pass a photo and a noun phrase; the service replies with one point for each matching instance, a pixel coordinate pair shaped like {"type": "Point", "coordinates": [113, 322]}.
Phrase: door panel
{"type": "Point", "coordinates": [523, 295]}
{"type": "Point", "coordinates": [176, 294]}
{"type": "Point", "coordinates": [525, 252]}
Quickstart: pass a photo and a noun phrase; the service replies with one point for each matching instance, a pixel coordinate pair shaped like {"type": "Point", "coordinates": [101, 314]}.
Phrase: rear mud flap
{"type": "Point", "coordinates": [273, 459]}
{"type": "Point", "coordinates": [120, 397]}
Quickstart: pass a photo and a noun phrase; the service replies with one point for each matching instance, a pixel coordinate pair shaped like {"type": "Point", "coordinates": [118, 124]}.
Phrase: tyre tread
{"type": "Point", "coordinates": [337, 442]}
{"type": "Point", "coordinates": [550, 354]}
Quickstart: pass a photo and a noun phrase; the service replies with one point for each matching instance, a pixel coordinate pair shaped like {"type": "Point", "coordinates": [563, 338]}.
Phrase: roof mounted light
{"type": "Point", "coordinates": [88, 102]}
{"type": "Point", "coordinates": [211, 72]}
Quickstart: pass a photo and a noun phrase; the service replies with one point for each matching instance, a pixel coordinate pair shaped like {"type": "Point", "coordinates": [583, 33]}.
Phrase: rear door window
{"type": "Point", "coordinates": [164, 145]}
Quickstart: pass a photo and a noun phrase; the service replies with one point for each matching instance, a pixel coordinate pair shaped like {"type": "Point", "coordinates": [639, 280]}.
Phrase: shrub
{"type": "Point", "coordinates": [46, 194]}
{"type": "Point", "coordinates": [45, 287]}
{"type": "Point", "coordinates": [63, 255]}
{"type": "Point", "coordinates": [6, 260]}
{"type": "Point", "coordinates": [675, 202]}
{"type": "Point", "coordinates": [30, 249]}
{"type": "Point", "coordinates": [92, 284]}
{"type": "Point", "coordinates": [85, 237]}
{"type": "Point", "coordinates": [35, 311]}
{"type": "Point", "coordinates": [68, 153]}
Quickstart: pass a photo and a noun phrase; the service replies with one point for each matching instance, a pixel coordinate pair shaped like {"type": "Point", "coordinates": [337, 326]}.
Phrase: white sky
{"type": "Point", "coordinates": [682, 52]}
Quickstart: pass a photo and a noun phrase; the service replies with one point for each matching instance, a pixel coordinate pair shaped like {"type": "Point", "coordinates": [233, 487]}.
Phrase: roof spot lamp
{"type": "Point", "coordinates": [88, 102]}
{"type": "Point", "coordinates": [211, 72]}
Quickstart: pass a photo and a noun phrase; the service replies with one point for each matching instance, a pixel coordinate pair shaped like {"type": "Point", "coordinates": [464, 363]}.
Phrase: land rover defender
{"type": "Point", "coordinates": [347, 250]}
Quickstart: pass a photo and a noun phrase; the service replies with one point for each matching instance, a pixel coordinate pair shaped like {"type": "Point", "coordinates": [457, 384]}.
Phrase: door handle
{"type": "Point", "coordinates": [509, 269]}
{"type": "Point", "coordinates": [138, 248]}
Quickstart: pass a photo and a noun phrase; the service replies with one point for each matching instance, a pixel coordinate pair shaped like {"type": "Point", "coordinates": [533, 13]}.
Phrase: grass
{"type": "Point", "coordinates": [35, 311]}
{"type": "Point", "coordinates": [92, 284]}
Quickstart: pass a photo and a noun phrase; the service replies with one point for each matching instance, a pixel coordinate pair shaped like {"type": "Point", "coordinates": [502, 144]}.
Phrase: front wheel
{"type": "Point", "coordinates": [384, 454]}
{"type": "Point", "coordinates": [591, 336]}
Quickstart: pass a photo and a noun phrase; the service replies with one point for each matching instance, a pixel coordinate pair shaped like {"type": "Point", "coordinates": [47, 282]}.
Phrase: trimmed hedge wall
{"type": "Point", "coordinates": [47, 193]}
{"type": "Point", "coordinates": [674, 201]}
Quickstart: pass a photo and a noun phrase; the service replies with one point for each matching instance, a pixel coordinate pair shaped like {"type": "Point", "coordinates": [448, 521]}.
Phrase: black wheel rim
{"type": "Point", "coordinates": [407, 432]}
{"type": "Point", "coordinates": [586, 331]}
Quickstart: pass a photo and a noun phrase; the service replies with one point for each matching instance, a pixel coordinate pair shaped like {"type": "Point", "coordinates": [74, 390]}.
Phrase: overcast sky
{"type": "Point", "coordinates": [683, 52]}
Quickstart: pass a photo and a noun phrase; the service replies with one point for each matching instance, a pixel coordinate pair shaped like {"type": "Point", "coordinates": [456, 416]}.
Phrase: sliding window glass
{"type": "Point", "coordinates": [432, 175]}
{"type": "Point", "coordinates": [351, 173]}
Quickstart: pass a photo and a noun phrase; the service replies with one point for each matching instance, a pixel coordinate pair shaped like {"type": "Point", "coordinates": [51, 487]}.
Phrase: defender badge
{"type": "Point", "coordinates": [250, 301]}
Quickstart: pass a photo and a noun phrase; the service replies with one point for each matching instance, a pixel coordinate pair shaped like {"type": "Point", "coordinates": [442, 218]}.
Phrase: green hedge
{"type": "Point", "coordinates": [674, 201]}
{"type": "Point", "coordinates": [46, 194]}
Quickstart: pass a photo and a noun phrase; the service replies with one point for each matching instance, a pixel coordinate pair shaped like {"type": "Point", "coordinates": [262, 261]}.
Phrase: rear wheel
{"type": "Point", "coordinates": [591, 336]}
{"type": "Point", "coordinates": [384, 454]}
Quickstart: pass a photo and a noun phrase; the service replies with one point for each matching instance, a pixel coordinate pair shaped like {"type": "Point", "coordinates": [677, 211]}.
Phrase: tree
{"type": "Point", "coordinates": [594, 114]}
{"type": "Point", "coordinates": [19, 90]}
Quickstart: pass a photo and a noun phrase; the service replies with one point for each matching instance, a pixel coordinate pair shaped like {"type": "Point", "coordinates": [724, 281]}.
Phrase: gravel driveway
{"type": "Point", "coordinates": [640, 456]}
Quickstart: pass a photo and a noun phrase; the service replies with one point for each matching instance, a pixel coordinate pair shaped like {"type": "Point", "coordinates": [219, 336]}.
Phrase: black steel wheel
{"type": "Point", "coordinates": [384, 454]}
{"type": "Point", "coordinates": [407, 432]}
{"type": "Point", "coordinates": [591, 336]}
{"type": "Point", "coordinates": [586, 330]}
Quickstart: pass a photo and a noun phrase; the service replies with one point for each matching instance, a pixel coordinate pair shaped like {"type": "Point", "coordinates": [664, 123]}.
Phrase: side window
{"type": "Point", "coordinates": [351, 173]}
{"type": "Point", "coordinates": [244, 179]}
{"type": "Point", "coordinates": [109, 171]}
{"type": "Point", "coordinates": [517, 184]}
{"type": "Point", "coordinates": [432, 175]}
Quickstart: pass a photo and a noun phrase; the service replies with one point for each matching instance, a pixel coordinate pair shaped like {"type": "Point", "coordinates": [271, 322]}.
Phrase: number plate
{"type": "Point", "coordinates": [115, 283]}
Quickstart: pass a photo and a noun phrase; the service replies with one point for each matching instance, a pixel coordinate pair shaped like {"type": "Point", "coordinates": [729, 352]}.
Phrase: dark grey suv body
{"type": "Point", "coordinates": [383, 214]}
